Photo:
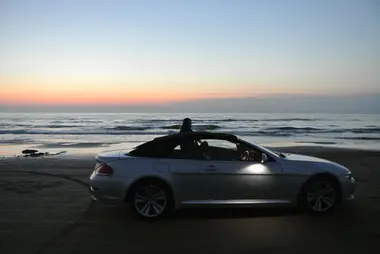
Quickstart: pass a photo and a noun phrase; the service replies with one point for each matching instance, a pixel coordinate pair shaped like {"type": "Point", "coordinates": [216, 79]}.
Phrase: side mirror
{"type": "Point", "coordinates": [264, 158]}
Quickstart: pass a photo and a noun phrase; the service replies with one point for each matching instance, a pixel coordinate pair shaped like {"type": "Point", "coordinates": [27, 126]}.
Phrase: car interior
{"type": "Point", "coordinates": [209, 149]}
{"type": "Point", "coordinates": [202, 149]}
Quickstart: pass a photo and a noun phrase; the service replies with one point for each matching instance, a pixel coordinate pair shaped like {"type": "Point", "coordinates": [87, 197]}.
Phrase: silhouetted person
{"type": "Point", "coordinates": [189, 146]}
{"type": "Point", "coordinates": [186, 125]}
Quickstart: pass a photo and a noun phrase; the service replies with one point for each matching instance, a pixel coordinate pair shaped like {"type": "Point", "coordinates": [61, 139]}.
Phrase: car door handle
{"type": "Point", "coordinates": [210, 168]}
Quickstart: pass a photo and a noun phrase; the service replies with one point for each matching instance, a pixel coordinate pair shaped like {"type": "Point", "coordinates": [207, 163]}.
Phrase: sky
{"type": "Point", "coordinates": [79, 52]}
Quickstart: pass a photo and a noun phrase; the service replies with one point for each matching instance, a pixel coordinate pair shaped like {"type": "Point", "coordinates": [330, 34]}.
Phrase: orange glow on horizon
{"type": "Point", "coordinates": [88, 97]}
{"type": "Point", "coordinates": [63, 93]}
{"type": "Point", "coordinates": [99, 95]}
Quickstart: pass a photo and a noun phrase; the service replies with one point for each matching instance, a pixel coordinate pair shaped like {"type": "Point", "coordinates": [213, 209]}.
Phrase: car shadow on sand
{"type": "Point", "coordinates": [199, 213]}
{"type": "Point", "coordinates": [126, 212]}
{"type": "Point", "coordinates": [232, 213]}
{"type": "Point", "coordinates": [340, 213]}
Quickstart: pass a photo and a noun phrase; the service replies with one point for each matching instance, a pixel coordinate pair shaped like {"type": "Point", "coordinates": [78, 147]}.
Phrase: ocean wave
{"type": "Point", "coordinates": [359, 138]}
{"type": "Point", "coordinates": [53, 126]}
{"type": "Point", "coordinates": [229, 120]}
{"type": "Point", "coordinates": [172, 127]}
{"type": "Point", "coordinates": [266, 120]}
{"type": "Point", "coordinates": [57, 126]}
{"type": "Point", "coordinates": [86, 121]}
{"type": "Point", "coordinates": [262, 133]}
{"type": "Point", "coordinates": [10, 125]}
{"type": "Point", "coordinates": [197, 127]}
{"type": "Point", "coordinates": [317, 142]}
{"type": "Point", "coordinates": [75, 121]}
{"type": "Point", "coordinates": [128, 128]}
{"type": "Point", "coordinates": [163, 130]}
{"type": "Point", "coordinates": [16, 132]}
{"type": "Point", "coordinates": [207, 127]}
{"type": "Point", "coordinates": [16, 141]}
{"type": "Point", "coordinates": [105, 132]}
{"type": "Point", "coordinates": [319, 130]}
{"type": "Point", "coordinates": [156, 120]}
{"type": "Point", "coordinates": [365, 130]}
{"type": "Point", "coordinates": [291, 119]}
{"type": "Point", "coordinates": [289, 128]}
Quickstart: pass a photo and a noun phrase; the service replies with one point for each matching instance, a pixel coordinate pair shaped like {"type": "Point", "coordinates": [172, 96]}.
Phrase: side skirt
{"type": "Point", "coordinates": [235, 202]}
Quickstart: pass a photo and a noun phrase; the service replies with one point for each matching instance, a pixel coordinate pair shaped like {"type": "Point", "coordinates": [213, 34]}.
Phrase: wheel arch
{"type": "Point", "coordinates": [144, 179]}
{"type": "Point", "coordinates": [320, 175]}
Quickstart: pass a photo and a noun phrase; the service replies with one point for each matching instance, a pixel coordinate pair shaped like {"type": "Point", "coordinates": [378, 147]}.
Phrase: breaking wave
{"type": "Point", "coordinates": [198, 127]}
{"type": "Point", "coordinates": [146, 130]}
{"type": "Point", "coordinates": [128, 128]}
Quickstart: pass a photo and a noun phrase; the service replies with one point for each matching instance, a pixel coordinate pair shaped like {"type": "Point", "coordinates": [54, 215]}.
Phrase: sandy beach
{"type": "Point", "coordinates": [45, 208]}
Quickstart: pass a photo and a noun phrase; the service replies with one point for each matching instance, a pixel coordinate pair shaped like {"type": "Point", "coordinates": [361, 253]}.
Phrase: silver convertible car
{"type": "Point", "coordinates": [206, 169]}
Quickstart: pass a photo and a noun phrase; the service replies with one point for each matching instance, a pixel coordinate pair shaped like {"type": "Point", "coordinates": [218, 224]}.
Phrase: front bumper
{"type": "Point", "coordinates": [348, 185]}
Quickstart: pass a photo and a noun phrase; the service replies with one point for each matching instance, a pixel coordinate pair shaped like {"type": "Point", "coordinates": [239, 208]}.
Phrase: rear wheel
{"type": "Point", "coordinates": [151, 199]}
{"type": "Point", "coordinates": [321, 195]}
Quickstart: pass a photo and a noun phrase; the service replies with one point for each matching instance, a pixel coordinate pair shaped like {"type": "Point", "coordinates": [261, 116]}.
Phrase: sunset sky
{"type": "Point", "coordinates": [105, 52]}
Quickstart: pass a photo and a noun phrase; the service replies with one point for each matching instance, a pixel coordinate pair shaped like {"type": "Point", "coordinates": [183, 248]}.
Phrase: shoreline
{"type": "Point", "coordinates": [84, 154]}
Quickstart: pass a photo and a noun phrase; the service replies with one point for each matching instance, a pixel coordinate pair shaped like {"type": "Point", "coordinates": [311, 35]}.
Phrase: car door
{"type": "Point", "coordinates": [185, 175]}
{"type": "Point", "coordinates": [236, 180]}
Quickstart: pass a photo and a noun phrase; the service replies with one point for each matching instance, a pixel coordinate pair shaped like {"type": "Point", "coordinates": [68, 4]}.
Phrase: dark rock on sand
{"type": "Point", "coordinates": [29, 151]}
{"type": "Point", "coordinates": [35, 153]}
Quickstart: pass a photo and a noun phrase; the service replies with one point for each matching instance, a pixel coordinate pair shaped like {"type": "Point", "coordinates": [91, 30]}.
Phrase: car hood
{"type": "Point", "coordinates": [299, 157]}
{"type": "Point", "coordinates": [321, 163]}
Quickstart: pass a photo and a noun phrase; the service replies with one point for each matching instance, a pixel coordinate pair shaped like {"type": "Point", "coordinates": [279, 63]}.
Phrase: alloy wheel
{"type": "Point", "coordinates": [150, 200]}
{"type": "Point", "coordinates": [321, 197]}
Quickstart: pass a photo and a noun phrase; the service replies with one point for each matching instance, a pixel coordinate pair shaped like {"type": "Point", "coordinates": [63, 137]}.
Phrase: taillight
{"type": "Point", "coordinates": [104, 170]}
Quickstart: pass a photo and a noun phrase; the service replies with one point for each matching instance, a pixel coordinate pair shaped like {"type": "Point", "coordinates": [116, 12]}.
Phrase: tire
{"type": "Point", "coordinates": [151, 199]}
{"type": "Point", "coordinates": [321, 195]}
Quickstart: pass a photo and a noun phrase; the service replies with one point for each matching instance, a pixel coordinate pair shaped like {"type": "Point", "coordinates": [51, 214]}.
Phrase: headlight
{"type": "Point", "coordinates": [349, 175]}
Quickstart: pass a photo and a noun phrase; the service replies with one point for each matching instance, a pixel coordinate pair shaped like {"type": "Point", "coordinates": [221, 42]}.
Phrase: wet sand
{"type": "Point", "coordinates": [45, 208]}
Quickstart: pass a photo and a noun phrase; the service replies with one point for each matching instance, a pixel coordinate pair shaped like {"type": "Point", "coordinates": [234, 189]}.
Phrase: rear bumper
{"type": "Point", "coordinates": [108, 190]}
{"type": "Point", "coordinates": [103, 197]}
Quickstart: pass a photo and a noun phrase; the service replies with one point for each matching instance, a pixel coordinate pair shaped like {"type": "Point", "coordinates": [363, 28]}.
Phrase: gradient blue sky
{"type": "Point", "coordinates": [147, 51]}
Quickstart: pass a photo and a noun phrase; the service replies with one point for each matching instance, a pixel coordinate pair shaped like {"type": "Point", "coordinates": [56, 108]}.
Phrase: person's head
{"type": "Point", "coordinates": [186, 124]}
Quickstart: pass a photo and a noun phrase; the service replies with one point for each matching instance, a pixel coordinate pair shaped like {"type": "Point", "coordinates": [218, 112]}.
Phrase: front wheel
{"type": "Point", "coordinates": [321, 195]}
{"type": "Point", "coordinates": [151, 200]}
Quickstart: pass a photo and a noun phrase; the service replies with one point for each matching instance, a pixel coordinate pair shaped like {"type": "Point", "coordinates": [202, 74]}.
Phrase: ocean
{"type": "Point", "coordinates": [96, 132]}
